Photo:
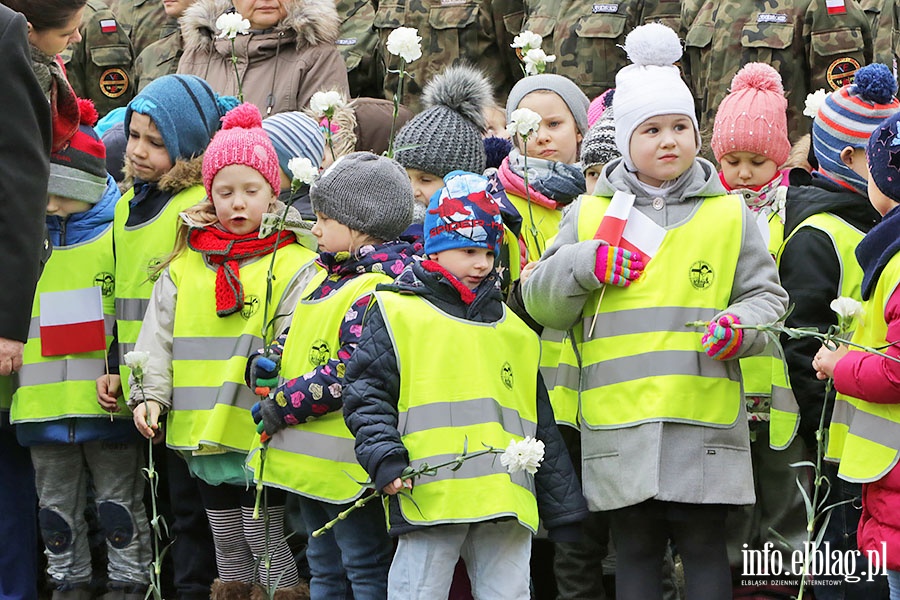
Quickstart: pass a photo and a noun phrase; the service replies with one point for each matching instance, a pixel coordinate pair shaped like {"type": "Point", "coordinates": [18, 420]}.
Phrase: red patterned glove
{"type": "Point", "coordinates": [721, 341]}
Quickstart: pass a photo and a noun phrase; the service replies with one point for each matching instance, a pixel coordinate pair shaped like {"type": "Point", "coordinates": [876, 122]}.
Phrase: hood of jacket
{"type": "Point", "coordinates": [184, 173]}
{"type": "Point", "coordinates": [809, 195]}
{"type": "Point", "coordinates": [308, 22]}
{"type": "Point", "coordinates": [389, 258]}
{"type": "Point", "coordinates": [84, 226]}
{"type": "Point", "coordinates": [701, 180]}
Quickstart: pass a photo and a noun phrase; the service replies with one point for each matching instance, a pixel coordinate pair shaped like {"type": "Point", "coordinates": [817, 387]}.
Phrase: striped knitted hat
{"type": "Point", "coordinates": [295, 134]}
{"type": "Point", "coordinates": [848, 116]}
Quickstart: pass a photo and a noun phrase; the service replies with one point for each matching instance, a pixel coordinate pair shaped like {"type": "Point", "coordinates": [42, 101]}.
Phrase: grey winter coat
{"type": "Point", "coordinates": [666, 461]}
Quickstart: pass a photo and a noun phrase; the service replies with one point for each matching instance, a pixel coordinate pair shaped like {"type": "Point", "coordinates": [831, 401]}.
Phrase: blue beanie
{"type": "Point", "coordinates": [463, 214]}
{"type": "Point", "coordinates": [185, 110]}
{"type": "Point", "coordinates": [295, 134]}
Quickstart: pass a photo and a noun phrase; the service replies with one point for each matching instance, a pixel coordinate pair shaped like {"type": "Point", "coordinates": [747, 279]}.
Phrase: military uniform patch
{"type": "Point", "coordinates": [841, 72]}
{"type": "Point", "coordinates": [836, 7]}
{"type": "Point", "coordinates": [114, 82]}
{"type": "Point", "coordinates": [605, 8]}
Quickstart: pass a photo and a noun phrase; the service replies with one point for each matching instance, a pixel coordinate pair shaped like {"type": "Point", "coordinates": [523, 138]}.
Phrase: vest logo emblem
{"type": "Point", "coordinates": [106, 282]}
{"type": "Point", "coordinates": [319, 353]}
{"type": "Point", "coordinates": [153, 269]}
{"type": "Point", "coordinates": [506, 375]}
{"type": "Point", "coordinates": [701, 275]}
{"type": "Point", "coordinates": [251, 305]}
{"type": "Point", "coordinates": [113, 82]}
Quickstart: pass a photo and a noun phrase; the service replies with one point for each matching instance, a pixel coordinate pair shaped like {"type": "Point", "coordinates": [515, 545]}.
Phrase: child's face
{"type": "Point", "coordinates": [63, 208]}
{"type": "Point", "coordinates": [241, 195]}
{"type": "Point", "coordinates": [747, 169]}
{"type": "Point", "coordinates": [591, 177]}
{"type": "Point", "coordinates": [879, 199]}
{"type": "Point", "coordinates": [175, 8]}
{"type": "Point", "coordinates": [496, 122]}
{"type": "Point", "coordinates": [56, 39]}
{"type": "Point", "coordinates": [332, 236]}
{"type": "Point", "coordinates": [662, 148]}
{"type": "Point", "coordinates": [558, 137]}
{"type": "Point", "coordinates": [146, 150]}
{"type": "Point", "coordinates": [424, 185]}
{"type": "Point", "coordinates": [469, 265]}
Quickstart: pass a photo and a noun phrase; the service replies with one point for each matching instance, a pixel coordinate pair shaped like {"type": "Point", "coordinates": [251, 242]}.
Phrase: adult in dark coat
{"type": "Point", "coordinates": [24, 169]}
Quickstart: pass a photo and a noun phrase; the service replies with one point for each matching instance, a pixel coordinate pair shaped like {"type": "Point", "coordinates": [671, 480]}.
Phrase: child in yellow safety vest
{"type": "Point", "coordinates": [208, 310]}
{"type": "Point", "coordinates": [864, 427]}
{"type": "Point", "coordinates": [408, 405]}
{"type": "Point", "coordinates": [665, 443]}
{"type": "Point", "coordinates": [362, 202]}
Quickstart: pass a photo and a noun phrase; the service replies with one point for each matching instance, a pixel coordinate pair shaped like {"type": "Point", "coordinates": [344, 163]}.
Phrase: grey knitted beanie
{"type": "Point", "coordinates": [565, 88]}
{"type": "Point", "coordinates": [447, 135]}
{"type": "Point", "coordinates": [599, 145]}
{"type": "Point", "coordinates": [365, 192]}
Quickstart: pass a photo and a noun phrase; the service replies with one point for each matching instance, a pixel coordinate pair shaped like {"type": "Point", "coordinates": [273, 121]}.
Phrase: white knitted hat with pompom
{"type": "Point", "coordinates": [652, 85]}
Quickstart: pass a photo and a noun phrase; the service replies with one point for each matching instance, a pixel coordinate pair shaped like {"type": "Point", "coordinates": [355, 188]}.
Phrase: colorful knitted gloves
{"type": "Point", "coordinates": [721, 341]}
{"type": "Point", "coordinates": [267, 418]}
{"type": "Point", "coordinates": [618, 266]}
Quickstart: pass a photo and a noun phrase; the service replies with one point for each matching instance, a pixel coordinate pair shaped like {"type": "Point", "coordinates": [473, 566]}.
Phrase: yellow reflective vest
{"type": "Point", "coordinates": [139, 250]}
{"type": "Point", "coordinates": [210, 401]}
{"type": "Point", "coordinates": [55, 387]}
{"type": "Point", "coordinates": [493, 403]}
{"type": "Point", "coordinates": [865, 436]}
{"type": "Point", "coordinates": [642, 364]}
{"type": "Point", "coordinates": [539, 225]}
{"type": "Point", "coordinates": [784, 417]}
{"type": "Point", "coordinates": [317, 459]}
{"type": "Point", "coordinates": [561, 371]}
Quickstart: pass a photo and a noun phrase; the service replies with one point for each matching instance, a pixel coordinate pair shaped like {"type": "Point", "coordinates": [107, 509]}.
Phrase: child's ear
{"type": "Point", "coordinates": [847, 156]}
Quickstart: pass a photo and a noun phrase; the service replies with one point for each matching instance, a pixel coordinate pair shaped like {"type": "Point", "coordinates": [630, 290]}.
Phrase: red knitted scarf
{"type": "Point", "coordinates": [227, 250]}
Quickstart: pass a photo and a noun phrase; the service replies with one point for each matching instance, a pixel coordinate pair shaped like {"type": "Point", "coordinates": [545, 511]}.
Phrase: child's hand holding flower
{"type": "Point", "coordinates": [826, 359]}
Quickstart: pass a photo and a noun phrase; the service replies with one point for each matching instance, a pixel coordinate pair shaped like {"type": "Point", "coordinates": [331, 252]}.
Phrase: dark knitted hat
{"type": "Point", "coordinates": [365, 192]}
{"type": "Point", "coordinates": [447, 135]}
{"type": "Point", "coordinates": [599, 145]}
{"type": "Point", "coordinates": [78, 169]}
{"type": "Point", "coordinates": [883, 156]}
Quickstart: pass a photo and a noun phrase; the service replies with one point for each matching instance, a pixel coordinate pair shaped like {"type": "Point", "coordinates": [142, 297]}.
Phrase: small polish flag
{"type": "Point", "coordinates": [629, 228]}
{"type": "Point", "coordinates": [836, 7]}
{"type": "Point", "coordinates": [108, 25]}
{"type": "Point", "coordinates": [72, 322]}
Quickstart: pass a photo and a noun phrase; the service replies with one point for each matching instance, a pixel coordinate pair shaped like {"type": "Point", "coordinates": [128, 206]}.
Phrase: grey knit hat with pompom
{"type": "Point", "coordinates": [447, 135]}
{"type": "Point", "coordinates": [365, 192]}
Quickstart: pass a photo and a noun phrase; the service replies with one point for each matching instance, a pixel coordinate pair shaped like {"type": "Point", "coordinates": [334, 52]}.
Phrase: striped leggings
{"type": "Point", "coordinates": [240, 540]}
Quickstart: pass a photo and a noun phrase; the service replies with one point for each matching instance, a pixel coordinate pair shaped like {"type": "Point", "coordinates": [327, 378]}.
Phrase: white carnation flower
{"type": "Point", "coordinates": [524, 455]}
{"type": "Point", "coordinates": [232, 24]}
{"type": "Point", "coordinates": [536, 61]}
{"type": "Point", "coordinates": [527, 40]}
{"type": "Point", "coordinates": [323, 104]}
{"type": "Point", "coordinates": [137, 362]}
{"type": "Point", "coordinates": [849, 311]}
{"type": "Point", "coordinates": [813, 102]}
{"type": "Point", "coordinates": [523, 122]}
{"type": "Point", "coordinates": [405, 43]}
{"type": "Point", "coordinates": [302, 170]}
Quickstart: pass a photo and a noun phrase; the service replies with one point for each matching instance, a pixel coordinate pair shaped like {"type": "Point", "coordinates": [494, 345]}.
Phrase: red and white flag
{"type": "Point", "coordinates": [72, 322]}
{"type": "Point", "coordinates": [625, 226]}
{"type": "Point", "coordinates": [836, 7]}
{"type": "Point", "coordinates": [108, 25]}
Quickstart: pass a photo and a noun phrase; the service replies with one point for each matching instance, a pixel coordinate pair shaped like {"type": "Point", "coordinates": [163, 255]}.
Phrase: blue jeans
{"type": "Point", "coordinates": [841, 535]}
{"type": "Point", "coordinates": [355, 554]}
{"type": "Point", "coordinates": [893, 578]}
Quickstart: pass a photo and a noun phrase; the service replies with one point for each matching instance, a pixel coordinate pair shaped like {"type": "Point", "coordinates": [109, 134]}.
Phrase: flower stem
{"type": "Point", "coordinates": [532, 229]}
{"type": "Point", "coordinates": [328, 137]}
{"type": "Point", "coordinates": [155, 587]}
{"type": "Point", "coordinates": [237, 75]}
{"type": "Point", "coordinates": [397, 97]}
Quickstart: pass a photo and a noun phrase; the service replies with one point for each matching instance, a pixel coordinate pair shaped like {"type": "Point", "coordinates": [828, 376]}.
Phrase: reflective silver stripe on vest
{"type": "Point", "coordinates": [131, 309]}
{"type": "Point", "coordinates": [875, 429]}
{"type": "Point", "coordinates": [298, 440]}
{"type": "Point", "coordinates": [214, 348]}
{"type": "Point", "coordinates": [843, 413]}
{"type": "Point", "coordinates": [34, 327]}
{"type": "Point", "coordinates": [79, 369]}
{"type": "Point", "coordinates": [656, 364]}
{"type": "Point", "coordinates": [205, 398]}
{"type": "Point", "coordinates": [479, 466]}
{"type": "Point", "coordinates": [646, 320]}
{"type": "Point", "coordinates": [783, 399]}
{"type": "Point", "coordinates": [463, 413]}
{"type": "Point", "coordinates": [562, 374]}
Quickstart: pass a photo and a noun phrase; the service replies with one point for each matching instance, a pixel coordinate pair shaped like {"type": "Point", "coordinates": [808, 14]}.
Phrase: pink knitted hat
{"type": "Point", "coordinates": [241, 141]}
{"type": "Point", "coordinates": [598, 106]}
{"type": "Point", "coordinates": [753, 116]}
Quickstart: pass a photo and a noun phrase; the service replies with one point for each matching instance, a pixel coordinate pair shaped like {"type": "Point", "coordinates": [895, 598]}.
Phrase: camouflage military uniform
{"type": "Point", "coordinates": [143, 21]}
{"type": "Point", "coordinates": [99, 67]}
{"type": "Point", "coordinates": [359, 47]}
{"type": "Point", "coordinates": [478, 32]}
{"type": "Point", "coordinates": [810, 48]}
{"type": "Point", "coordinates": [159, 58]}
{"type": "Point", "coordinates": [585, 37]}
{"type": "Point", "coordinates": [883, 19]}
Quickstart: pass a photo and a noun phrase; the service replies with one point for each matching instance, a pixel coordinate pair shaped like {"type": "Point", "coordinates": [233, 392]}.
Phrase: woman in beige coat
{"type": "Point", "coordinates": [288, 55]}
